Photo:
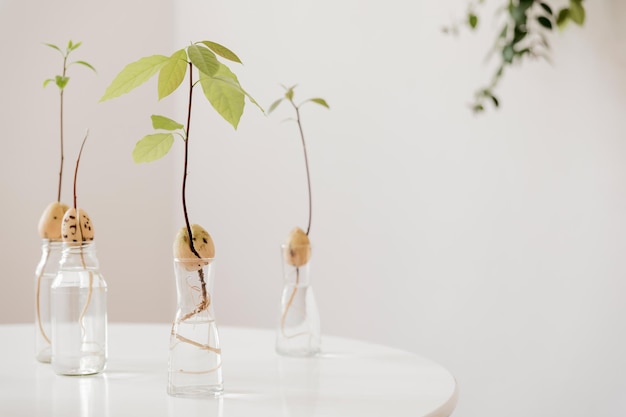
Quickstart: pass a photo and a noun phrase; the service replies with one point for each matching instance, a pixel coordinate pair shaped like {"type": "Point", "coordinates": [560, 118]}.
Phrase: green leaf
{"type": "Point", "coordinates": [86, 64]}
{"type": "Point", "coordinates": [173, 73]}
{"type": "Point", "coordinates": [71, 46]}
{"type": "Point", "coordinates": [547, 8]}
{"type": "Point", "coordinates": [165, 123]}
{"type": "Point", "coordinates": [225, 94]}
{"type": "Point", "coordinates": [518, 35]}
{"type": "Point", "coordinates": [61, 81]}
{"type": "Point", "coordinates": [518, 14]}
{"type": "Point", "coordinates": [508, 53]}
{"type": "Point", "coordinates": [153, 147]}
{"type": "Point", "coordinates": [203, 59]}
{"type": "Point", "coordinates": [472, 20]}
{"type": "Point", "coordinates": [526, 4]}
{"type": "Point", "coordinates": [222, 51]}
{"type": "Point", "coordinates": [274, 105]}
{"type": "Point", "coordinates": [289, 93]}
{"type": "Point", "coordinates": [478, 108]}
{"type": "Point", "coordinates": [48, 81]}
{"type": "Point", "coordinates": [498, 73]}
{"type": "Point", "coordinates": [320, 101]}
{"type": "Point", "coordinates": [545, 22]}
{"type": "Point", "coordinates": [133, 75]}
{"type": "Point", "coordinates": [55, 47]}
{"type": "Point", "coordinates": [577, 12]}
{"type": "Point", "coordinates": [562, 18]}
{"type": "Point", "coordinates": [503, 32]}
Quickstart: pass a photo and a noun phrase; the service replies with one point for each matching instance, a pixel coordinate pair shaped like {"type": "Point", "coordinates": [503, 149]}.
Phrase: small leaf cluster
{"type": "Point", "coordinates": [219, 85]}
{"type": "Point", "coordinates": [289, 96]}
{"type": "Point", "coordinates": [62, 80]}
{"type": "Point", "coordinates": [523, 35]}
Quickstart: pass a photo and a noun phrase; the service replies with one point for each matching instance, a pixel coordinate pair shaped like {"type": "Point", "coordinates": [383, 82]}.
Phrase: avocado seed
{"type": "Point", "coordinates": [297, 250]}
{"type": "Point", "coordinates": [77, 227]}
{"type": "Point", "coordinates": [202, 243]}
{"type": "Point", "coordinates": [50, 221]}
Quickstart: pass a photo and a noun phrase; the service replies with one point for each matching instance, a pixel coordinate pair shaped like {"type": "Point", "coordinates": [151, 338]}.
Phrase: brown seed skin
{"type": "Point", "coordinates": [202, 243]}
{"type": "Point", "coordinates": [50, 221]}
{"type": "Point", "coordinates": [297, 248]}
{"type": "Point", "coordinates": [77, 228]}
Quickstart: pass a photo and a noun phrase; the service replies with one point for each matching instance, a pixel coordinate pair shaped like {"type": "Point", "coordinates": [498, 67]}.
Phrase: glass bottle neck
{"type": "Point", "coordinates": [76, 255]}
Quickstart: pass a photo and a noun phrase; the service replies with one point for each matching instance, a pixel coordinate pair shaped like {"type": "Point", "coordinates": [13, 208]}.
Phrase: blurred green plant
{"type": "Point", "coordinates": [523, 35]}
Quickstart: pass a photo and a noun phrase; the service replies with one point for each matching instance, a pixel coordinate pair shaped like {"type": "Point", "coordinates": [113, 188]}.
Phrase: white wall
{"type": "Point", "coordinates": [129, 205]}
{"type": "Point", "coordinates": [493, 245]}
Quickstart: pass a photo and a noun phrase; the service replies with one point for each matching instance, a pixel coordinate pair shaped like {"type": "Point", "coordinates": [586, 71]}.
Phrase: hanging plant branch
{"type": "Point", "coordinates": [524, 29]}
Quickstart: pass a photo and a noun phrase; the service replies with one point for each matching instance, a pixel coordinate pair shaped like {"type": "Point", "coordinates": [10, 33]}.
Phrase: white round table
{"type": "Point", "coordinates": [349, 379]}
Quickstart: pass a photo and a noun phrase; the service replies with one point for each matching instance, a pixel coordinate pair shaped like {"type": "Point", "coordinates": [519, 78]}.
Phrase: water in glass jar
{"type": "Point", "coordinates": [298, 331]}
{"type": "Point", "coordinates": [79, 329]}
{"type": "Point", "coordinates": [42, 318]}
{"type": "Point", "coordinates": [195, 368]}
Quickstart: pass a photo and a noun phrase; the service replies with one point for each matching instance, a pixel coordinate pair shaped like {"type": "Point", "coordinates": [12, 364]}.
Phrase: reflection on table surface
{"type": "Point", "coordinates": [349, 378]}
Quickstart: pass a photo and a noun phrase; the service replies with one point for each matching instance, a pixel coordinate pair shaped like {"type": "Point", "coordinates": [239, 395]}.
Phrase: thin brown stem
{"type": "Point", "coordinates": [80, 152]}
{"type": "Point", "coordinates": [186, 163]}
{"type": "Point", "coordinates": [204, 303]}
{"type": "Point", "coordinates": [61, 130]}
{"type": "Point", "coordinates": [80, 227]}
{"type": "Point", "coordinates": [205, 300]}
{"type": "Point", "coordinates": [306, 164]}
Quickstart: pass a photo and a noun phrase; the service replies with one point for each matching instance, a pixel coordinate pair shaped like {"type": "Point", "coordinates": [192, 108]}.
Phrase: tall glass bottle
{"type": "Point", "coordinates": [298, 332]}
{"type": "Point", "coordinates": [44, 275]}
{"type": "Point", "coordinates": [195, 358]}
{"type": "Point", "coordinates": [79, 312]}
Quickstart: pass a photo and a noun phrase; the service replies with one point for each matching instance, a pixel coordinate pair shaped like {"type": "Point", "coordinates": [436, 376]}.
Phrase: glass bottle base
{"type": "Point", "coordinates": [86, 365]}
{"type": "Point", "coordinates": [44, 355]}
{"type": "Point", "coordinates": [200, 391]}
{"type": "Point", "coordinates": [298, 352]}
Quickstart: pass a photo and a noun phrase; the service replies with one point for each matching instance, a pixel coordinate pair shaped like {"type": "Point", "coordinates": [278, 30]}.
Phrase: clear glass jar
{"type": "Point", "coordinates": [195, 357]}
{"type": "Point", "coordinates": [44, 275]}
{"type": "Point", "coordinates": [79, 312]}
{"type": "Point", "coordinates": [298, 332]}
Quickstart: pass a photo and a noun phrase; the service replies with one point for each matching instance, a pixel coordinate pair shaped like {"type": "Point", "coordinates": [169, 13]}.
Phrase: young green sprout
{"type": "Point", "coordinates": [297, 250]}
{"type": "Point", "coordinates": [220, 86]}
{"type": "Point", "coordinates": [50, 222]}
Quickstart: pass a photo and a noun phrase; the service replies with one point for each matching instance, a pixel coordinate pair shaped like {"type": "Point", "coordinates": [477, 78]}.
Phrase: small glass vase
{"type": "Point", "coordinates": [79, 312]}
{"type": "Point", "coordinates": [44, 275]}
{"type": "Point", "coordinates": [195, 357]}
{"type": "Point", "coordinates": [298, 332]}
